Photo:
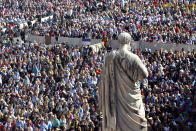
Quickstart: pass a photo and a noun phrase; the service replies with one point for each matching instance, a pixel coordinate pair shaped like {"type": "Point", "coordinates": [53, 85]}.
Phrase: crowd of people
{"type": "Point", "coordinates": [55, 88]}
{"type": "Point", "coordinates": [170, 99]}
{"type": "Point", "coordinates": [17, 15]}
{"type": "Point", "coordinates": [164, 21]}
{"type": "Point", "coordinates": [49, 88]}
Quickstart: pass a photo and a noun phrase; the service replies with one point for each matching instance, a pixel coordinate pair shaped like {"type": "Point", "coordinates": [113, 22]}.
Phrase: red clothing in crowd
{"type": "Point", "coordinates": [1, 127]}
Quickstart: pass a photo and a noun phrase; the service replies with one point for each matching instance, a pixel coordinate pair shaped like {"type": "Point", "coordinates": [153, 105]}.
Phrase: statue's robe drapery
{"type": "Point", "coordinates": [120, 97]}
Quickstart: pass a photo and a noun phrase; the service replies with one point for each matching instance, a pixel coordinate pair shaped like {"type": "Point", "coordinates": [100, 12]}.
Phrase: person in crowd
{"type": "Point", "coordinates": [162, 21]}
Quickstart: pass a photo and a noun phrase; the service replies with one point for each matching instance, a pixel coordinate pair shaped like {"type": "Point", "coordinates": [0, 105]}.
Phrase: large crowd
{"type": "Point", "coordinates": [169, 97]}
{"type": "Point", "coordinates": [164, 21]}
{"type": "Point", "coordinates": [55, 87]}
{"type": "Point", "coordinates": [49, 88]}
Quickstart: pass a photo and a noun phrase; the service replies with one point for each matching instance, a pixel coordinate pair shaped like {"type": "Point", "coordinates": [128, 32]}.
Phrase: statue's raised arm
{"type": "Point", "coordinates": [120, 97]}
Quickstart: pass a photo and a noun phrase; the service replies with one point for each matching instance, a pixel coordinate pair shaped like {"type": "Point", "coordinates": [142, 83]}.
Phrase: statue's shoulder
{"type": "Point", "coordinates": [112, 53]}
{"type": "Point", "coordinates": [134, 58]}
{"type": "Point", "coordinates": [110, 56]}
{"type": "Point", "coordinates": [130, 56]}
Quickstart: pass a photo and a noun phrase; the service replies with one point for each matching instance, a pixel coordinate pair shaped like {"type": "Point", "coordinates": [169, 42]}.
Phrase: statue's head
{"type": "Point", "coordinates": [124, 38]}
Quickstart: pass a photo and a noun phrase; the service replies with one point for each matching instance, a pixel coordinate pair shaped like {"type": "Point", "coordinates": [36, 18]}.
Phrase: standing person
{"type": "Point", "coordinates": [49, 124]}
{"type": "Point", "coordinates": [120, 96]}
{"type": "Point", "coordinates": [43, 126]}
{"type": "Point", "coordinates": [8, 125]}
{"type": "Point", "coordinates": [11, 33]}
{"type": "Point", "coordinates": [105, 40]}
{"type": "Point", "coordinates": [22, 34]}
{"type": "Point", "coordinates": [56, 123]}
{"type": "Point", "coordinates": [63, 122]}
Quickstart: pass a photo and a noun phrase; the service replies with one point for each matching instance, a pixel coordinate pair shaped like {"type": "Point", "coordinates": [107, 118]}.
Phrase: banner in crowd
{"type": "Point", "coordinates": [86, 42]}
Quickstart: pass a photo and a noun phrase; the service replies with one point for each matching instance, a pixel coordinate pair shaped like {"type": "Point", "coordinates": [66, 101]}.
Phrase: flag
{"type": "Point", "coordinates": [86, 41]}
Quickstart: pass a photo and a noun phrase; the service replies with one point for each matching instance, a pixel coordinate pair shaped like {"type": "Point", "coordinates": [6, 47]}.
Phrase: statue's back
{"type": "Point", "coordinates": [123, 108]}
{"type": "Point", "coordinates": [120, 95]}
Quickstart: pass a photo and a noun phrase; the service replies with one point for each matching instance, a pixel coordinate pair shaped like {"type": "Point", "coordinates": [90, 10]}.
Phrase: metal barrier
{"type": "Point", "coordinates": [114, 43]}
